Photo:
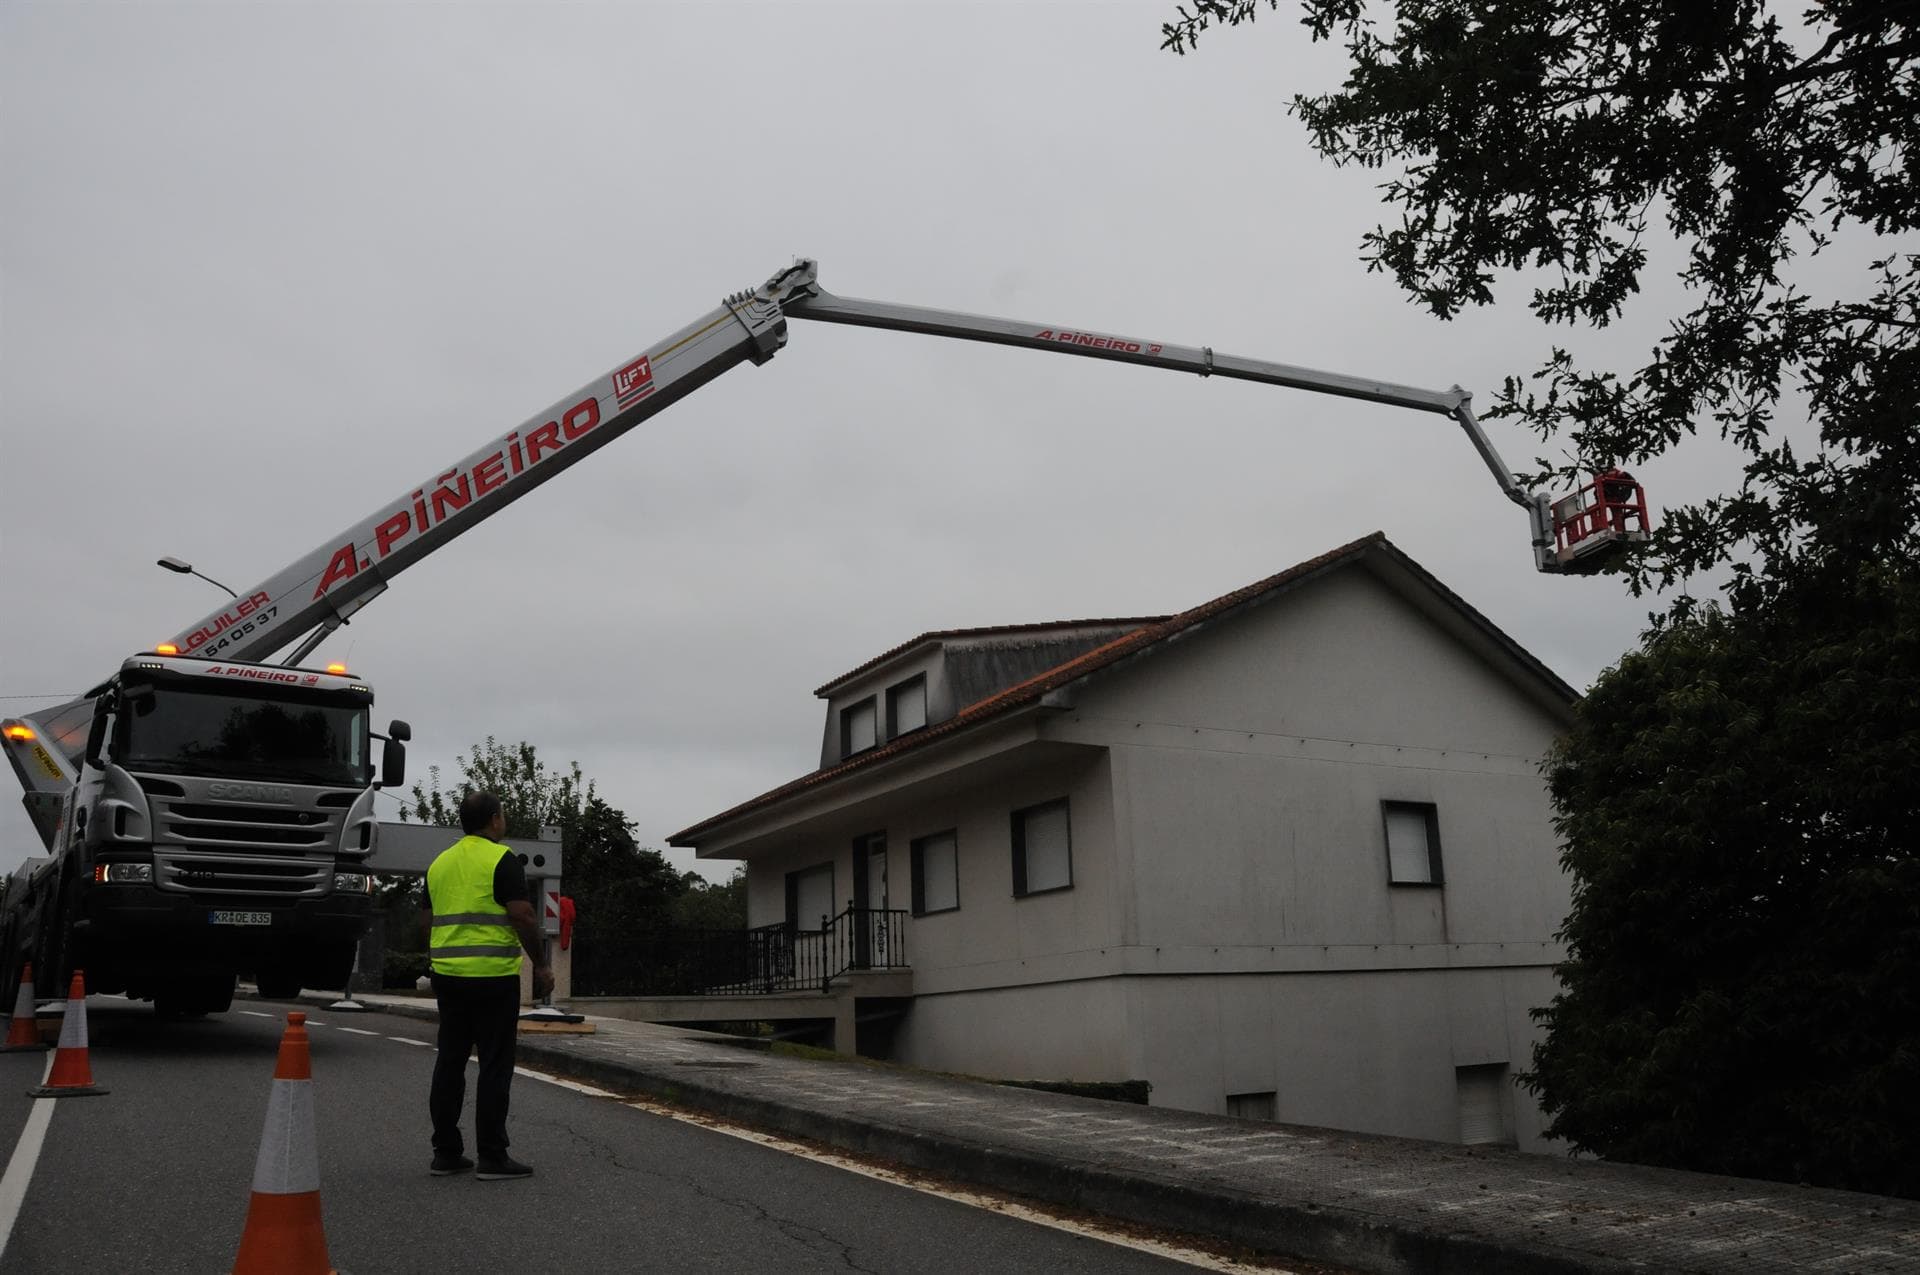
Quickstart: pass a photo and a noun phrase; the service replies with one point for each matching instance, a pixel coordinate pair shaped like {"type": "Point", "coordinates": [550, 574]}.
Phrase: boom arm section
{"type": "Point", "coordinates": [328, 585]}
{"type": "Point", "coordinates": [814, 302]}
{"type": "Point", "coordinates": [43, 749]}
{"type": "Point", "coordinates": [322, 590]}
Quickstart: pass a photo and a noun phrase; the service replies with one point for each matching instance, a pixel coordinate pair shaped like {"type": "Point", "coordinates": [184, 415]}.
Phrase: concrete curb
{"type": "Point", "coordinates": [1282, 1229]}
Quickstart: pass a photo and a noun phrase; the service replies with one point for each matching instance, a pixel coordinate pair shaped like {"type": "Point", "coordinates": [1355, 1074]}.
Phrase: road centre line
{"type": "Point", "coordinates": [973, 1199]}
{"type": "Point", "coordinates": [26, 1154]}
{"type": "Point", "coordinates": [359, 1031]}
{"type": "Point", "coordinates": [257, 1013]}
{"type": "Point", "coordinates": [408, 1040]}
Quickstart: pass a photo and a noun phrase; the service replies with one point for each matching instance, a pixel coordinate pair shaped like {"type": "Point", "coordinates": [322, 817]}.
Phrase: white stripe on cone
{"type": "Point", "coordinates": [73, 1031]}
{"type": "Point", "coordinates": [289, 1162]}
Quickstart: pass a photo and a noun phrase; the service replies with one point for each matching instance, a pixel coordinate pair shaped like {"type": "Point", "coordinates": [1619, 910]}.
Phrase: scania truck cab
{"type": "Point", "coordinates": [217, 826]}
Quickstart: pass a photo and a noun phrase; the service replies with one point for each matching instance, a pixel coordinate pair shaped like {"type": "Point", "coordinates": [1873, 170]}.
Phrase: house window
{"type": "Point", "coordinates": [1251, 1106]}
{"type": "Point", "coordinates": [1042, 849]}
{"type": "Point", "coordinates": [907, 706]}
{"type": "Point", "coordinates": [1413, 842]}
{"type": "Point", "coordinates": [810, 898]}
{"type": "Point", "coordinates": [1482, 1096]}
{"type": "Point", "coordinates": [936, 873]}
{"type": "Point", "coordinates": [857, 728]}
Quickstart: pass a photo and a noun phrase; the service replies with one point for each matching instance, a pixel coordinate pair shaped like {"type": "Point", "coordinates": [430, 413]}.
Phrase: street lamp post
{"type": "Point", "coordinates": [186, 569]}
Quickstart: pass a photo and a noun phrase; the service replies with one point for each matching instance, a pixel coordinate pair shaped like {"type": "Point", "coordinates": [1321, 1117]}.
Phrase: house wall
{"type": "Point", "coordinates": [1071, 1031]}
{"type": "Point", "coordinates": [1252, 760]}
{"type": "Point", "coordinates": [1250, 763]}
{"type": "Point", "coordinates": [991, 931]}
{"type": "Point", "coordinates": [1372, 1051]}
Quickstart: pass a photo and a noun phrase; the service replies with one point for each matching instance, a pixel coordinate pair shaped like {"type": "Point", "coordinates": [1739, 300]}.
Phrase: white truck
{"type": "Point", "coordinates": [211, 822]}
{"type": "Point", "coordinates": [142, 801]}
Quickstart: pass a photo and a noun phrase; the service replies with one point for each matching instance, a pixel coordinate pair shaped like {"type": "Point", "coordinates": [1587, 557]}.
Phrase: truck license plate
{"type": "Point", "coordinates": [240, 918]}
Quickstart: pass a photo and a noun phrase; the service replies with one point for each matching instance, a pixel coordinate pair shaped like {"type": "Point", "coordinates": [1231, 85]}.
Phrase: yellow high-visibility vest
{"type": "Point", "coordinates": [470, 936]}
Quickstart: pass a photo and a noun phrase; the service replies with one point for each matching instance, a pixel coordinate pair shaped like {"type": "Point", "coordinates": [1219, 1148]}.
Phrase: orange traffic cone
{"type": "Point", "coordinates": [71, 1075]}
{"type": "Point", "coordinates": [22, 1031]}
{"type": "Point", "coordinates": [283, 1234]}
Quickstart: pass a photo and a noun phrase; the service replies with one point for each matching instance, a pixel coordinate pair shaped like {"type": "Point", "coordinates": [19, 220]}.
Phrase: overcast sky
{"type": "Point", "coordinates": [265, 268]}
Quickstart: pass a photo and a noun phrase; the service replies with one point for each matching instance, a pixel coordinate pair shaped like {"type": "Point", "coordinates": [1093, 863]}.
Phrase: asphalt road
{"type": "Point", "coordinates": [155, 1176]}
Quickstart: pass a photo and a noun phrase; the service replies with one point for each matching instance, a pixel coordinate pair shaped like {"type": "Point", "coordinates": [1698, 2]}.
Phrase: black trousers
{"type": "Point", "coordinates": [482, 1014]}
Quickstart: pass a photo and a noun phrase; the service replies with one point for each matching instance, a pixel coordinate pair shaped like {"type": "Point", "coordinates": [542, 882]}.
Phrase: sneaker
{"type": "Point", "coordinates": [501, 1169]}
{"type": "Point", "coordinates": [446, 1162]}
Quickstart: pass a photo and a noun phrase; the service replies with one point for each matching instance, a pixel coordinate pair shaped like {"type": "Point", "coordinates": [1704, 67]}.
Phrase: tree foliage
{"type": "Point", "coordinates": [713, 905]}
{"type": "Point", "coordinates": [1555, 140]}
{"type": "Point", "coordinates": [532, 796]}
{"type": "Point", "coordinates": [1740, 815]}
{"type": "Point", "coordinates": [623, 893]}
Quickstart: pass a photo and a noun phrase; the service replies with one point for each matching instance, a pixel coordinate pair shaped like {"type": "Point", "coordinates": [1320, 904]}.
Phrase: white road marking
{"type": "Point", "coordinates": [408, 1040]}
{"type": "Point", "coordinates": [564, 1083]}
{"type": "Point", "coordinates": [359, 1031]}
{"type": "Point", "coordinates": [314, 1022]}
{"type": "Point", "coordinates": [26, 1154]}
{"type": "Point", "coordinates": [257, 1013]}
{"type": "Point", "coordinates": [973, 1199]}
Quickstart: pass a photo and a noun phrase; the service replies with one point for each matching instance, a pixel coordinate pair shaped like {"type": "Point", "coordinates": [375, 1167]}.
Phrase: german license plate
{"type": "Point", "coordinates": [240, 918]}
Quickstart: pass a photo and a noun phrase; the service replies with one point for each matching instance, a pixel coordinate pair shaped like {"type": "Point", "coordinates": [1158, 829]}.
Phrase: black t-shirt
{"type": "Point", "coordinates": [509, 883]}
{"type": "Point", "coordinates": [510, 880]}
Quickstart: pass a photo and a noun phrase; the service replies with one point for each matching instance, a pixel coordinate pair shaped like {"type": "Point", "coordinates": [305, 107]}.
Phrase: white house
{"type": "Point", "coordinates": [1285, 855]}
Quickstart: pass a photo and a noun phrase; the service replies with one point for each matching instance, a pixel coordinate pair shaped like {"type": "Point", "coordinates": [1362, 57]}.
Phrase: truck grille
{"type": "Point", "coordinates": [214, 874]}
{"type": "Point", "coordinates": [219, 849]}
{"type": "Point", "coordinates": [249, 825]}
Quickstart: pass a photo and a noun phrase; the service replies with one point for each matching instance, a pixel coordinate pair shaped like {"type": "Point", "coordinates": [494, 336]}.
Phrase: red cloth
{"type": "Point", "coordinates": [566, 922]}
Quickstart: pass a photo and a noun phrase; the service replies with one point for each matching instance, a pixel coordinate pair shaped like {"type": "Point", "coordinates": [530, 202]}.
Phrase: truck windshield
{"type": "Point", "coordinates": [302, 740]}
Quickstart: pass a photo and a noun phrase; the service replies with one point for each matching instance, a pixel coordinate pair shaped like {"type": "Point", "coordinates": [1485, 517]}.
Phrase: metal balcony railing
{"type": "Point", "coordinates": [759, 961]}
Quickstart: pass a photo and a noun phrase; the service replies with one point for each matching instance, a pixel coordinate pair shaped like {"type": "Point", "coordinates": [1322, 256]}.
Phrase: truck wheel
{"type": "Point", "coordinates": [216, 996]}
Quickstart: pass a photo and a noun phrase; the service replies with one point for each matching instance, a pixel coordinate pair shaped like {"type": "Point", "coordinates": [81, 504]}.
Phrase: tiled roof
{"type": "Point", "coordinates": [1146, 636]}
{"type": "Point", "coordinates": [996, 630]}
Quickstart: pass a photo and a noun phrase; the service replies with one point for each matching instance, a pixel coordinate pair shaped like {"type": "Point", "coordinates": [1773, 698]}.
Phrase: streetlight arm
{"type": "Point", "coordinates": [186, 569]}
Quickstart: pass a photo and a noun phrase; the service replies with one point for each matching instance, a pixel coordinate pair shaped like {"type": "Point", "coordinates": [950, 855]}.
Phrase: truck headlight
{"type": "Point", "coordinates": [352, 883]}
{"type": "Point", "coordinates": [124, 873]}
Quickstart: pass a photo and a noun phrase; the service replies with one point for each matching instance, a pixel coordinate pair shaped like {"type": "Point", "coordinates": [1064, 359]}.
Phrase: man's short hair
{"type": "Point", "coordinates": [477, 810]}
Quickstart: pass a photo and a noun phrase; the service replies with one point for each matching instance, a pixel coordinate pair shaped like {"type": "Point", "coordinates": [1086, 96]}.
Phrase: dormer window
{"type": "Point", "coordinates": [857, 726]}
{"type": "Point", "coordinates": [907, 706]}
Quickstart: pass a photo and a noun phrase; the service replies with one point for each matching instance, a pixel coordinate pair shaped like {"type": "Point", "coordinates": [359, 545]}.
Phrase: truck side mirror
{"type": "Point", "coordinates": [393, 761]}
{"type": "Point", "coordinates": [398, 729]}
{"type": "Point", "coordinates": [97, 738]}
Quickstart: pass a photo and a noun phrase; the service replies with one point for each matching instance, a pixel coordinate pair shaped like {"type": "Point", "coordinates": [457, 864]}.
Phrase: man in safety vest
{"type": "Point", "coordinates": [480, 919]}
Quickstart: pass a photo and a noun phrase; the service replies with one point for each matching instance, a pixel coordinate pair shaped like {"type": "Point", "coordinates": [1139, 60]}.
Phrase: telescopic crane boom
{"type": "Point", "coordinates": [322, 590]}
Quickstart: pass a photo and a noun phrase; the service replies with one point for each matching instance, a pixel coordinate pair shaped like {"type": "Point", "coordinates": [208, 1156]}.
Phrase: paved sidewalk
{"type": "Point", "coordinates": [1371, 1203]}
